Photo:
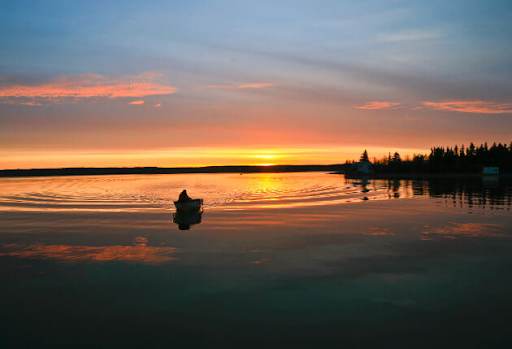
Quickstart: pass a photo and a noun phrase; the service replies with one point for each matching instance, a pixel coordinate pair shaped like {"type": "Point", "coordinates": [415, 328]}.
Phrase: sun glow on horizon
{"type": "Point", "coordinates": [192, 157]}
{"type": "Point", "coordinates": [266, 156]}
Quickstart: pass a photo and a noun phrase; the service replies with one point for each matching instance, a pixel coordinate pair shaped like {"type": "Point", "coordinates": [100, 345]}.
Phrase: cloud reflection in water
{"type": "Point", "coordinates": [140, 252]}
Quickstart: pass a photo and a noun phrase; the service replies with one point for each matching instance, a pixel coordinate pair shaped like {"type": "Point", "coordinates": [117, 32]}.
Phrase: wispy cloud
{"type": "Point", "coordinates": [375, 105]}
{"type": "Point", "coordinates": [21, 102]}
{"type": "Point", "coordinates": [478, 107]}
{"type": "Point", "coordinates": [411, 35]}
{"type": "Point", "coordinates": [241, 87]}
{"type": "Point", "coordinates": [76, 87]}
{"type": "Point", "coordinates": [158, 105]}
{"type": "Point", "coordinates": [137, 102]}
{"type": "Point", "coordinates": [378, 232]}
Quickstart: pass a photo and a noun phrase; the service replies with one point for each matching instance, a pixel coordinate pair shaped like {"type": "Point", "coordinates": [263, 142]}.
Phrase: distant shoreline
{"type": "Point", "coordinates": [97, 171]}
{"type": "Point", "coordinates": [333, 169]}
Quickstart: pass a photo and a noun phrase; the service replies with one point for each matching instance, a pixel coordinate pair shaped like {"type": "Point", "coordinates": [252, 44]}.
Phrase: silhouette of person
{"type": "Point", "coordinates": [184, 197]}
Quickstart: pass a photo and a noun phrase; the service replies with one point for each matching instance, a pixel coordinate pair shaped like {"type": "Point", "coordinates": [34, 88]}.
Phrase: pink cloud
{"type": "Point", "coordinates": [375, 105]}
{"type": "Point", "coordinates": [479, 107]}
{"type": "Point", "coordinates": [158, 105]}
{"type": "Point", "coordinates": [137, 102]}
{"type": "Point", "coordinates": [74, 87]}
{"type": "Point", "coordinates": [241, 87]}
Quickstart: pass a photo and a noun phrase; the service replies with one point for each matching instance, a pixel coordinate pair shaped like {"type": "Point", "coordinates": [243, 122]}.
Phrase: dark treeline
{"type": "Point", "coordinates": [457, 159]}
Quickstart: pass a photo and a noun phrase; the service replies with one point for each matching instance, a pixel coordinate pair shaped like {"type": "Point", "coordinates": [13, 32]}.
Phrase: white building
{"type": "Point", "coordinates": [491, 170]}
{"type": "Point", "coordinates": [364, 167]}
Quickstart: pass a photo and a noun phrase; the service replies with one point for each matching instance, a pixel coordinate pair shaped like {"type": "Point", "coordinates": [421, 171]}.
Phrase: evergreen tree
{"type": "Point", "coordinates": [396, 158]}
{"type": "Point", "coordinates": [364, 157]}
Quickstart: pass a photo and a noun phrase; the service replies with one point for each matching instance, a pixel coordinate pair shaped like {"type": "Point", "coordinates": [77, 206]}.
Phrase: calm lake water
{"type": "Point", "coordinates": [275, 260]}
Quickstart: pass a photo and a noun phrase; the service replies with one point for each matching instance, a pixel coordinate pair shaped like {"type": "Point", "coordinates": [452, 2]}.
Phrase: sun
{"type": "Point", "coordinates": [266, 156]}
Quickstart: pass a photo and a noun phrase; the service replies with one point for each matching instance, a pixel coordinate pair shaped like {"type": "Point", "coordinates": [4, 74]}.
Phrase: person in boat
{"type": "Point", "coordinates": [184, 197]}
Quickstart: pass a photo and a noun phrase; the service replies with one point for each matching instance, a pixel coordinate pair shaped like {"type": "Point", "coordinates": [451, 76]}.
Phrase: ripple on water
{"type": "Point", "coordinates": [219, 191]}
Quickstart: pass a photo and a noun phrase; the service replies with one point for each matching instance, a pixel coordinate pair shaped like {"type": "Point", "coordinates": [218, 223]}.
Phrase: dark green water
{"type": "Point", "coordinates": [275, 260]}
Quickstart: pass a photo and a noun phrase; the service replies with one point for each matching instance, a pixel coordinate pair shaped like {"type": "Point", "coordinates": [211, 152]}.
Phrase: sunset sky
{"type": "Point", "coordinates": [193, 83]}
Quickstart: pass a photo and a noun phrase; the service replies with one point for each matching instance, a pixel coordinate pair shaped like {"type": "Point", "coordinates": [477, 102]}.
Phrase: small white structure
{"type": "Point", "coordinates": [364, 167]}
{"type": "Point", "coordinates": [491, 170]}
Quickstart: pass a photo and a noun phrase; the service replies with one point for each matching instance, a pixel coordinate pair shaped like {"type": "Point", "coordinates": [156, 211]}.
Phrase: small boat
{"type": "Point", "coordinates": [191, 205]}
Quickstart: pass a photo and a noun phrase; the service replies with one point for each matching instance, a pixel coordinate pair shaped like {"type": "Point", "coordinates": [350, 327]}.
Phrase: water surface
{"type": "Point", "coordinates": [275, 260]}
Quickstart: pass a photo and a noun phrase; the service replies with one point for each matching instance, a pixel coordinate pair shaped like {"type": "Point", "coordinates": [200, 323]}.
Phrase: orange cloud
{"type": "Point", "coordinates": [241, 87]}
{"type": "Point", "coordinates": [479, 107]}
{"type": "Point", "coordinates": [73, 87]}
{"type": "Point", "coordinates": [378, 105]}
{"type": "Point", "coordinates": [158, 105]}
{"type": "Point", "coordinates": [137, 102]}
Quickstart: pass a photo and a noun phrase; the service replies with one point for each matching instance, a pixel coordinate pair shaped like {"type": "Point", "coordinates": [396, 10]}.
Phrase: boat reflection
{"type": "Point", "coordinates": [186, 219]}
